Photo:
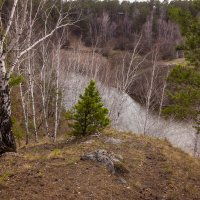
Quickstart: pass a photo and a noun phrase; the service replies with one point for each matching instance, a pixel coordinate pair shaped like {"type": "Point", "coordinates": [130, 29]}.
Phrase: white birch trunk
{"type": "Point", "coordinates": [43, 93]}
{"type": "Point", "coordinates": [31, 89]}
{"type": "Point", "coordinates": [7, 141]}
{"type": "Point", "coordinates": [196, 143]}
{"type": "Point", "coordinates": [57, 94]}
{"type": "Point", "coordinates": [149, 96]}
{"type": "Point", "coordinates": [24, 113]}
{"type": "Point", "coordinates": [163, 95]}
{"type": "Point", "coordinates": [30, 76]}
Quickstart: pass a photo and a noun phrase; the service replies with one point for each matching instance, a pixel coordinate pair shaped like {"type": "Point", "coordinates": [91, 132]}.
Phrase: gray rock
{"type": "Point", "coordinates": [109, 159]}
{"type": "Point", "coordinates": [113, 141]}
{"type": "Point", "coordinates": [121, 180]}
{"type": "Point", "coordinates": [88, 142]}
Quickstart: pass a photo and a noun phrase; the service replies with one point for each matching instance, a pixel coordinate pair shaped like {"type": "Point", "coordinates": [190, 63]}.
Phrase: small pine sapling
{"type": "Point", "coordinates": [89, 114]}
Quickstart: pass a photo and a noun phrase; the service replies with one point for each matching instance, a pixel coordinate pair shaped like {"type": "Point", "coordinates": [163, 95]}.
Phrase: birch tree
{"type": "Point", "coordinates": [149, 93]}
{"type": "Point", "coordinates": [16, 31]}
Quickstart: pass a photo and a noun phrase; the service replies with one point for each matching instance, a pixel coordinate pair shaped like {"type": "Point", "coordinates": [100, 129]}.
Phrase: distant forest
{"type": "Point", "coordinates": [119, 25]}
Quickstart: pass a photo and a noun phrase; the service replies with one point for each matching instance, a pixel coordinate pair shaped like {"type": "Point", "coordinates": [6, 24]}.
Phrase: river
{"type": "Point", "coordinates": [128, 115]}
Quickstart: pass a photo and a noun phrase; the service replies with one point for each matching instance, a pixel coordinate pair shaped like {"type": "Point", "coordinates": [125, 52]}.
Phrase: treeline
{"type": "Point", "coordinates": [119, 25]}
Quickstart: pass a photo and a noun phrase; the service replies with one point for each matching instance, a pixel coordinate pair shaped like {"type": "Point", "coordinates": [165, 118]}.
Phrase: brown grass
{"type": "Point", "coordinates": [55, 171]}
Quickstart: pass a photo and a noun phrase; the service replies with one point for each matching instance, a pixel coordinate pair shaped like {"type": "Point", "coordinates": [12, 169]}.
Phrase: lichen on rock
{"type": "Point", "coordinates": [109, 159]}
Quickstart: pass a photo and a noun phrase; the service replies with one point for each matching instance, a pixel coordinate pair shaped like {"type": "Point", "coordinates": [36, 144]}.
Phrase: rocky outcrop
{"type": "Point", "coordinates": [112, 161]}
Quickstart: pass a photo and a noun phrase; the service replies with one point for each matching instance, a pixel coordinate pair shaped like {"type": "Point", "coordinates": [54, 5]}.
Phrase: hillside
{"type": "Point", "coordinates": [156, 170]}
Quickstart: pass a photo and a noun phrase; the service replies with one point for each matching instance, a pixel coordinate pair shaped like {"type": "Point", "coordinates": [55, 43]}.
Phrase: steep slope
{"type": "Point", "coordinates": [55, 171]}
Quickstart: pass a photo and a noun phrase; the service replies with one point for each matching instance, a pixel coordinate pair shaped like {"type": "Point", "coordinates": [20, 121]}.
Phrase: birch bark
{"type": "Point", "coordinates": [18, 21]}
{"type": "Point", "coordinates": [7, 141]}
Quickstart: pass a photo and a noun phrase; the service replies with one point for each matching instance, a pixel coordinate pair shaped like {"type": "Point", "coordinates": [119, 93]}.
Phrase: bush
{"type": "Point", "coordinates": [89, 115]}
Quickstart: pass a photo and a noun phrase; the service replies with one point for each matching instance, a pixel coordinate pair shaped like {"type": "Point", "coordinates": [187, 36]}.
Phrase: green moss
{"type": "Point", "coordinates": [4, 177]}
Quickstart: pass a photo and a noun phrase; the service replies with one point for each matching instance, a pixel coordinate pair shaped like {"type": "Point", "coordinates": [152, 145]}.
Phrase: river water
{"type": "Point", "coordinates": [128, 115]}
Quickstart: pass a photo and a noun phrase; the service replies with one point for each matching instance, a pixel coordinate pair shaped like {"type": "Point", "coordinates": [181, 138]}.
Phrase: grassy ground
{"type": "Point", "coordinates": [55, 171]}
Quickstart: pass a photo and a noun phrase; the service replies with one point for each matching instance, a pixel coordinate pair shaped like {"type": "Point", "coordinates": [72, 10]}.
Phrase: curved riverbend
{"type": "Point", "coordinates": [128, 115]}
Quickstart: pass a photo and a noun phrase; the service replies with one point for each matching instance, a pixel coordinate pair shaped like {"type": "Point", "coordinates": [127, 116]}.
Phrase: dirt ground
{"type": "Point", "coordinates": [48, 171]}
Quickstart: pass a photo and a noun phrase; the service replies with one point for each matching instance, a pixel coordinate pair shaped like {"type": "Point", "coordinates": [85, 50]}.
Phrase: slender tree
{"type": "Point", "coordinates": [14, 33]}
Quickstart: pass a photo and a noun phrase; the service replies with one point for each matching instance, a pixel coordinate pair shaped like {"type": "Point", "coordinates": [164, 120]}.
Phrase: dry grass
{"type": "Point", "coordinates": [156, 171]}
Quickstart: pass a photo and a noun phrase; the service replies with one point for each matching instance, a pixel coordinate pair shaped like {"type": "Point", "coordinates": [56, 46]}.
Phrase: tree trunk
{"type": "Point", "coordinates": [7, 141]}
{"type": "Point", "coordinates": [25, 113]}
{"type": "Point", "coordinates": [57, 95]}
{"type": "Point", "coordinates": [196, 143]}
